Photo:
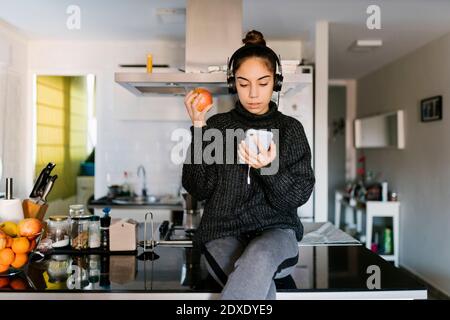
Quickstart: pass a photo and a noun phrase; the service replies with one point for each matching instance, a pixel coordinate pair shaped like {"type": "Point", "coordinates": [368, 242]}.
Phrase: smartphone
{"type": "Point", "coordinates": [265, 138]}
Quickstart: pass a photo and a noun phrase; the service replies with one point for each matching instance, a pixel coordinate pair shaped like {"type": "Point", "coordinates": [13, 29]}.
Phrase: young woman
{"type": "Point", "coordinates": [249, 232]}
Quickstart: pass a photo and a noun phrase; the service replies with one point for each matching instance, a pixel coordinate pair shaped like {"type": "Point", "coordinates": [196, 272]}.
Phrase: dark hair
{"type": "Point", "coordinates": [254, 37]}
{"type": "Point", "coordinates": [254, 40]}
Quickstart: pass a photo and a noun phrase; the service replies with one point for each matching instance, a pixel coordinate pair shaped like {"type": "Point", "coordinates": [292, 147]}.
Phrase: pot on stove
{"type": "Point", "coordinates": [191, 220]}
{"type": "Point", "coordinates": [190, 203]}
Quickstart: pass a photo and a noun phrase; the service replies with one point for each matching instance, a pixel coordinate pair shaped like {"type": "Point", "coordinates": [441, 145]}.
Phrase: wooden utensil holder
{"type": "Point", "coordinates": [34, 210]}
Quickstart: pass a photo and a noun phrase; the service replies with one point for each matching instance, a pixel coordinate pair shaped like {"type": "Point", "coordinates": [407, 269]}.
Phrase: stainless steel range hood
{"type": "Point", "coordinates": [213, 33]}
{"type": "Point", "coordinates": [146, 84]}
{"type": "Point", "coordinates": [141, 83]}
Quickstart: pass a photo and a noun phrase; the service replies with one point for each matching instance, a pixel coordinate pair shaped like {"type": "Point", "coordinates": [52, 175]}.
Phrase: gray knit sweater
{"type": "Point", "coordinates": [232, 206]}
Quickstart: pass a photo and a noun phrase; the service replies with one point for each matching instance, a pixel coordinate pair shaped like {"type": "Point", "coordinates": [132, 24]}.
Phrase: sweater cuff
{"type": "Point", "coordinates": [279, 176]}
{"type": "Point", "coordinates": [258, 171]}
{"type": "Point", "coordinates": [198, 129]}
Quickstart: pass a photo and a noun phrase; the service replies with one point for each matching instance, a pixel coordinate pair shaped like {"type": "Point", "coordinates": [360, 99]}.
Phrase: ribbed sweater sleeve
{"type": "Point", "coordinates": [198, 178]}
{"type": "Point", "coordinates": [293, 184]}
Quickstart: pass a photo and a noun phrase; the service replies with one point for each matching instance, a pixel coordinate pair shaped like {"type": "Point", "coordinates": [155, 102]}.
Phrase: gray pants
{"type": "Point", "coordinates": [246, 266]}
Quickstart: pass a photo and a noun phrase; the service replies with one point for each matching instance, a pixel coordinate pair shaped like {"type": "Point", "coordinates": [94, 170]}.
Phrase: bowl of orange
{"type": "Point", "coordinates": [18, 243]}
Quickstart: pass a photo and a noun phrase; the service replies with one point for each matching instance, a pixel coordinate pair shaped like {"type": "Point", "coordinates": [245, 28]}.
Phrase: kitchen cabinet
{"type": "Point", "coordinates": [381, 131]}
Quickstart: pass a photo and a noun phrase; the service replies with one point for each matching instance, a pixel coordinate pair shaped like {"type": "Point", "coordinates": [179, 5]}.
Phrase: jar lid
{"type": "Point", "coordinates": [58, 218]}
{"type": "Point", "coordinates": [77, 211]}
{"type": "Point", "coordinates": [76, 207]}
{"type": "Point", "coordinates": [83, 217]}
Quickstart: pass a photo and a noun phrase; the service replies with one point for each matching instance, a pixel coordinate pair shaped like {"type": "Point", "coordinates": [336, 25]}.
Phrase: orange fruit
{"type": "Point", "coordinates": [29, 227]}
{"type": "Point", "coordinates": [6, 256]}
{"type": "Point", "coordinates": [32, 245]}
{"type": "Point", "coordinates": [4, 281]}
{"type": "Point", "coordinates": [19, 260]}
{"type": "Point", "coordinates": [18, 284]}
{"type": "Point", "coordinates": [205, 100]}
{"type": "Point", "coordinates": [20, 245]}
{"type": "Point", "coordinates": [9, 242]}
{"type": "Point", "coordinates": [4, 268]}
{"type": "Point", "coordinates": [3, 240]}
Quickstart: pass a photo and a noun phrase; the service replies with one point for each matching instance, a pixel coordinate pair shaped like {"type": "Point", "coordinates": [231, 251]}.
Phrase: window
{"type": "Point", "coordinates": [65, 127]}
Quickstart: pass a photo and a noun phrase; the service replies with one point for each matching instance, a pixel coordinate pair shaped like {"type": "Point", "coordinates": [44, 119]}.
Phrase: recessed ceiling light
{"type": "Point", "coordinates": [365, 45]}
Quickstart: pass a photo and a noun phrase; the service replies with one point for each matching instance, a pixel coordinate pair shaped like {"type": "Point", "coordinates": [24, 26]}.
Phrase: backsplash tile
{"type": "Point", "coordinates": [146, 143]}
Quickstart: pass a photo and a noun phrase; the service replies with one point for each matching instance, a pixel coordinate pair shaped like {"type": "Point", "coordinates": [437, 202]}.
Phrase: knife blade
{"type": "Point", "coordinates": [42, 181]}
{"type": "Point", "coordinates": [48, 188]}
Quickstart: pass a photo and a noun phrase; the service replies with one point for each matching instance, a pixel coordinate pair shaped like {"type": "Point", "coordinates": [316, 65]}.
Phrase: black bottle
{"type": "Point", "coordinates": [105, 221]}
{"type": "Point", "coordinates": [105, 282]}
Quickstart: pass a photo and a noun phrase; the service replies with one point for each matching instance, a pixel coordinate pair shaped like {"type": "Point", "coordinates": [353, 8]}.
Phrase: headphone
{"type": "Point", "coordinates": [231, 81]}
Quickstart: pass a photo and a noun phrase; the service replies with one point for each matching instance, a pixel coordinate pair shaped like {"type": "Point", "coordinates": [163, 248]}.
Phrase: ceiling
{"type": "Point", "coordinates": [405, 24]}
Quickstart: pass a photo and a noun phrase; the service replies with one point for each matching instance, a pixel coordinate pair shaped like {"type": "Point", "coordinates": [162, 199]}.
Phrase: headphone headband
{"type": "Point", "coordinates": [278, 80]}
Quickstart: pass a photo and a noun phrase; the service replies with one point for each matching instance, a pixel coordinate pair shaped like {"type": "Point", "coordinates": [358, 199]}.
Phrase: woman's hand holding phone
{"type": "Point", "coordinates": [257, 161]}
{"type": "Point", "coordinates": [192, 101]}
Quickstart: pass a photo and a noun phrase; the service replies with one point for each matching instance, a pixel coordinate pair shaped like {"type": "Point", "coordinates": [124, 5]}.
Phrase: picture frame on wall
{"type": "Point", "coordinates": [431, 109]}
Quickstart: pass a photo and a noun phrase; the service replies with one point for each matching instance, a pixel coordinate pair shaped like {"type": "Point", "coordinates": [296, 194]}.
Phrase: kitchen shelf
{"type": "Point", "coordinates": [389, 257]}
{"type": "Point", "coordinates": [371, 210]}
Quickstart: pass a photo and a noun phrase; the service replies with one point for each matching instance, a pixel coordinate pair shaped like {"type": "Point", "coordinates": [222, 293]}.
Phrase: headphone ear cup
{"type": "Point", "coordinates": [231, 85]}
{"type": "Point", "coordinates": [278, 83]}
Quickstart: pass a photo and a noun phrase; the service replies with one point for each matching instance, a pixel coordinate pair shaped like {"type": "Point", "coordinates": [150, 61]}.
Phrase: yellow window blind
{"type": "Point", "coordinates": [62, 118]}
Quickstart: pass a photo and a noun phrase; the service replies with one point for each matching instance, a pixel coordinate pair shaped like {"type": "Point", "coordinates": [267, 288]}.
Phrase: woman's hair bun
{"type": "Point", "coordinates": [255, 38]}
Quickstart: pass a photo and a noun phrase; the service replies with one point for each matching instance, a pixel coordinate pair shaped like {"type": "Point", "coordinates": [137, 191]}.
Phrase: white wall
{"type": "Point", "coordinates": [336, 145]}
{"type": "Point", "coordinates": [13, 113]}
{"type": "Point", "coordinates": [420, 173]}
{"type": "Point", "coordinates": [321, 123]}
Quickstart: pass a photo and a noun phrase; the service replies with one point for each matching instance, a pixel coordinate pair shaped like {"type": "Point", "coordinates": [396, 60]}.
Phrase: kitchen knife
{"type": "Point", "coordinates": [48, 188]}
{"type": "Point", "coordinates": [42, 180]}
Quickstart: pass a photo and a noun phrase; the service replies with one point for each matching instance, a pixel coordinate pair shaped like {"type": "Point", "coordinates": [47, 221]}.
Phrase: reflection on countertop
{"type": "Point", "coordinates": [332, 269]}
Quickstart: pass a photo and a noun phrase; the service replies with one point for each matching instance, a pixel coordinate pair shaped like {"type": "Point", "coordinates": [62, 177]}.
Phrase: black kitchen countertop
{"type": "Point", "coordinates": [339, 271]}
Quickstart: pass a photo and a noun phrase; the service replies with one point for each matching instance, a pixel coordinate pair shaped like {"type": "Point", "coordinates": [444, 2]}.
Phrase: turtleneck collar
{"type": "Point", "coordinates": [245, 116]}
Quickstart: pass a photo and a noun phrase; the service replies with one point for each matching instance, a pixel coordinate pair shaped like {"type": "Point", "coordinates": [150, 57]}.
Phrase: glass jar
{"type": "Point", "coordinates": [94, 232]}
{"type": "Point", "coordinates": [57, 269]}
{"type": "Point", "coordinates": [79, 227]}
{"type": "Point", "coordinates": [94, 269]}
{"type": "Point", "coordinates": [77, 210]}
{"type": "Point", "coordinates": [58, 231]}
{"type": "Point", "coordinates": [78, 273]}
